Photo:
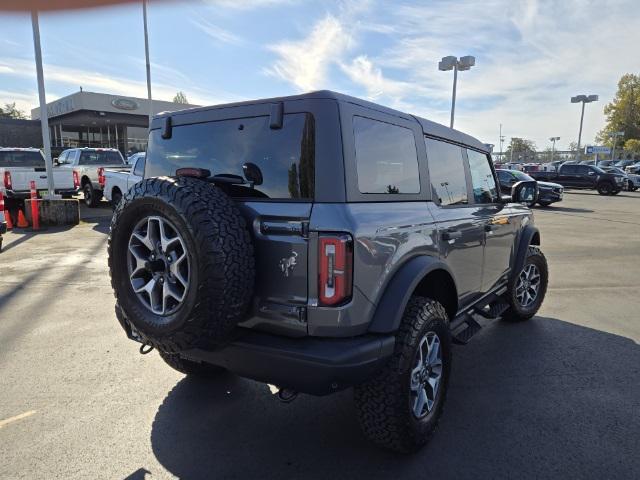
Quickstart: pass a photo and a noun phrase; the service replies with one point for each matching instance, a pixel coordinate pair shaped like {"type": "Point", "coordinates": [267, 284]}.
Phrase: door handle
{"type": "Point", "coordinates": [451, 234]}
{"type": "Point", "coordinates": [489, 227]}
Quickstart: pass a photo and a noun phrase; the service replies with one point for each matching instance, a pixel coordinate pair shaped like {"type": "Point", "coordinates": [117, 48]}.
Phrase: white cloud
{"type": "Point", "coordinates": [220, 35]}
{"type": "Point", "coordinates": [304, 63]}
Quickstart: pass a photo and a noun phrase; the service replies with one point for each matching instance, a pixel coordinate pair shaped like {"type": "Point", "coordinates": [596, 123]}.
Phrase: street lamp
{"type": "Point", "coordinates": [582, 99]}
{"type": "Point", "coordinates": [615, 136]}
{"type": "Point", "coordinates": [455, 64]}
{"type": "Point", "coordinates": [553, 146]}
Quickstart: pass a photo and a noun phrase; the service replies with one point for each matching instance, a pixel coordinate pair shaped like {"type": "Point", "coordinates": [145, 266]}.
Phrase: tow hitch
{"type": "Point", "coordinates": [285, 395]}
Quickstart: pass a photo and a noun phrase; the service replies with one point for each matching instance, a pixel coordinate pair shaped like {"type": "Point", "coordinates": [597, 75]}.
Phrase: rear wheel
{"type": "Point", "coordinates": [399, 409]}
{"type": "Point", "coordinates": [91, 196]}
{"type": "Point", "coordinates": [544, 204]}
{"type": "Point", "coordinates": [190, 368]}
{"type": "Point", "coordinates": [528, 288]}
{"type": "Point", "coordinates": [615, 192]}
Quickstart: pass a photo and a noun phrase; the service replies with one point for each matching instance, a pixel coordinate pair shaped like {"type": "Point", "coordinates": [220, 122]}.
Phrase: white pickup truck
{"type": "Point", "coordinates": [19, 166]}
{"type": "Point", "coordinates": [87, 162]}
{"type": "Point", "coordinates": [118, 182]}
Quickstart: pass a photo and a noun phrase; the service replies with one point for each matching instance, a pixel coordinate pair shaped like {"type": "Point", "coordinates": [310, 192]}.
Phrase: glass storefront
{"type": "Point", "coordinates": [128, 139]}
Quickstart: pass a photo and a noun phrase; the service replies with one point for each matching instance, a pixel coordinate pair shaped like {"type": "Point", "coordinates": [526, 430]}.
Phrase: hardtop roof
{"type": "Point", "coordinates": [428, 127]}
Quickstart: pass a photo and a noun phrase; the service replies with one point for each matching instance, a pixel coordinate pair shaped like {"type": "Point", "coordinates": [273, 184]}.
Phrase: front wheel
{"type": "Point", "coordinates": [400, 407]}
{"type": "Point", "coordinates": [544, 204]}
{"type": "Point", "coordinates": [528, 288]}
{"type": "Point", "coordinates": [605, 188]}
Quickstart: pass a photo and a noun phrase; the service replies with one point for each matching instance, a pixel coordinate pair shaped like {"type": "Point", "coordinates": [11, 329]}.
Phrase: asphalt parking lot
{"type": "Point", "coordinates": [556, 397]}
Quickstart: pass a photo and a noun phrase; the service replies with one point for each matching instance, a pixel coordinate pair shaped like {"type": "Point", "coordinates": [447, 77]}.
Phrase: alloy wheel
{"type": "Point", "coordinates": [426, 375]}
{"type": "Point", "coordinates": [159, 267]}
{"type": "Point", "coordinates": [528, 285]}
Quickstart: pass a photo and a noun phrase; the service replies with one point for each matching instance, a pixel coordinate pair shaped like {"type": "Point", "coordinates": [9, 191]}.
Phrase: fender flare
{"type": "Point", "coordinates": [526, 236]}
{"type": "Point", "coordinates": [398, 291]}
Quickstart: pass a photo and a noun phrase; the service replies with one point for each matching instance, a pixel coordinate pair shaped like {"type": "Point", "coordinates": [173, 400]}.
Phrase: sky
{"type": "Point", "coordinates": [531, 56]}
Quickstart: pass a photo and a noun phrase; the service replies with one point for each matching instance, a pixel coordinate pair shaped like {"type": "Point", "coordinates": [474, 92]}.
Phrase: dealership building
{"type": "Point", "coordinates": [88, 119]}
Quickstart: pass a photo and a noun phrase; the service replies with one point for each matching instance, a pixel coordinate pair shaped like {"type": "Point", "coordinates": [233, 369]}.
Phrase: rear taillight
{"type": "Point", "coordinates": [76, 179]}
{"type": "Point", "coordinates": [7, 181]}
{"type": "Point", "coordinates": [335, 269]}
{"type": "Point", "coordinates": [101, 179]}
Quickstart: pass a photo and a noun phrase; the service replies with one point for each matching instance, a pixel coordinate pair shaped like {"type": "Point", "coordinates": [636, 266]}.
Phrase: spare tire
{"type": "Point", "coordinates": [181, 262]}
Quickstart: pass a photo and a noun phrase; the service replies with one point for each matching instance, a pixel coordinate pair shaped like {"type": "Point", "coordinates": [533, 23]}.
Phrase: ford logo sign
{"type": "Point", "coordinates": [124, 104]}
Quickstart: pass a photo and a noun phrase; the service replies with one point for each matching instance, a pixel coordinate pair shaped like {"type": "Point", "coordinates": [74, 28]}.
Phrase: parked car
{"type": "Point", "coordinates": [572, 175]}
{"type": "Point", "coordinates": [133, 157]}
{"type": "Point", "coordinates": [299, 241]}
{"type": "Point", "coordinates": [606, 163]}
{"type": "Point", "coordinates": [633, 168]}
{"type": "Point", "coordinates": [20, 166]}
{"type": "Point", "coordinates": [86, 162]}
{"type": "Point", "coordinates": [624, 163]}
{"type": "Point", "coordinates": [548, 192]}
{"type": "Point", "coordinates": [117, 182]}
{"type": "Point", "coordinates": [633, 181]}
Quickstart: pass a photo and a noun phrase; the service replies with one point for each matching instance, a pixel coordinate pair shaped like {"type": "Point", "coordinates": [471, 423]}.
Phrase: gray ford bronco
{"type": "Point", "coordinates": [319, 242]}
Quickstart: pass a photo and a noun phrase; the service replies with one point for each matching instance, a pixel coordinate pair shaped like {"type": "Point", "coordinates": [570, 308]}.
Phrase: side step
{"type": "Point", "coordinates": [465, 330]}
{"type": "Point", "coordinates": [493, 310]}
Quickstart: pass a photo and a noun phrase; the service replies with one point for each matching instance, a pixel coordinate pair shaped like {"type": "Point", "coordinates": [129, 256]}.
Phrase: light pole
{"type": "Point", "coordinates": [615, 136]}
{"type": "Point", "coordinates": [146, 53]}
{"type": "Point", "coordinates": [455, 64]}
{"type": "Point", "coordinates": [553, 145]}
{"type": "Point", "coordinates": [582, 99]}
{"type": "Point", "coordinates": [501, 139]}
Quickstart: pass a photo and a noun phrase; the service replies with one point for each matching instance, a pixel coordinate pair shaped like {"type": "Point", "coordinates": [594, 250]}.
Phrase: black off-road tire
{"type": "Point", "coordinates": [116, 196]}
{"type": "Point", "coordinates": [91, 196]}
{"type": "Point", "coordinates": [605, 188]}
{"type": "Point", "coordinates": [220, 252]}
{"type": "Point", "coordinates": [615, 192]}
{"type": "Point", "coordinates": [190, 368]}
{"type": "Point", "coordinates": [383, 403]}
{"type": "Point", "coordinates": [544, 204]}
{"type": "Point", "coordinates": [515, 312]}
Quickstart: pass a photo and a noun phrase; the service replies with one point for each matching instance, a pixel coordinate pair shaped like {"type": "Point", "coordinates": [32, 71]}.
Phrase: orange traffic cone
{"type": "Point", "coordinates": [22, 222]}
{"type": "Point", "coordinates": [7, 217]}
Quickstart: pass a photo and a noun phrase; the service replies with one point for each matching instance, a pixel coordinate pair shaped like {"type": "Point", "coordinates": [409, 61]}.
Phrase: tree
{"type": "Point", "coordinates": [632, 146]}
{"type": "Point", "coordinates": [523, 150]}
{"type": "Point", "coordinates": [180, 98]}
{"type": "Point", "coordinates": [623, 113]}
{"type": "Point", "coordinates": [10, 111]}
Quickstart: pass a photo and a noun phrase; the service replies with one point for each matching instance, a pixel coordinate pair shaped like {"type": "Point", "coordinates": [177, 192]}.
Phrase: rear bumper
{"type": "Point", "coordinates": [22, 194]}
{"type": "Point", "coordinates": [318, 366]}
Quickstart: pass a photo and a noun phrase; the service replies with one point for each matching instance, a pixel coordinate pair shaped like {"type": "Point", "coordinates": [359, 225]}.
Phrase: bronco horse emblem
{"type": "Point", "coordinates": [287, 264]}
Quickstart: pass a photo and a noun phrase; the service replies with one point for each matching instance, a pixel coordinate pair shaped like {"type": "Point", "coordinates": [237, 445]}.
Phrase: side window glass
{"type": "Point", "coordinates": [446, 172]}
{"type": "Point", "coordinates": [139, 168]}
{"type": "Point", "coordinates": [568, 170]}
{"type": "Point", "coordinates": [386, 157]}
{"type": "Point", "coordinates": [62, 158]}
{"type": "Point", "coordinates": [482, 180]}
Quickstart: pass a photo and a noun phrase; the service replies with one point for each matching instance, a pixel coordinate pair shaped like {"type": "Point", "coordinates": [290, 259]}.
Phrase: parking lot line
{"type": "Point", "coordinates": [9, 420]}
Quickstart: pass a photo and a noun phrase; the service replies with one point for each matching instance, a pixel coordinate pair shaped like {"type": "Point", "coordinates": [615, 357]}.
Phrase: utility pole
{"type": "Point", "coordinates": [44, 114]}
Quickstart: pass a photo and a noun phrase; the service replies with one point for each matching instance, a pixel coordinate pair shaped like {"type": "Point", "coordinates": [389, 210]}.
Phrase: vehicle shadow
{"type": "Point", "coordinates": [555, 208]}
{"type": "Point", "coordinates": [543, 398]}
{"type": "Point", "coordinates": [20, 235]}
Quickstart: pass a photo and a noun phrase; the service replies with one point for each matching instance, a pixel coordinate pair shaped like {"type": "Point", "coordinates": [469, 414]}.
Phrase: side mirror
{"type": "Point", "coordinates": [56, 161]}
{"type": "Point", "coordinates": [525, 192]}
{"type": "Point", "coordinates": [252, 173]}
{"type": "Point", "coordinates": [591, 173]}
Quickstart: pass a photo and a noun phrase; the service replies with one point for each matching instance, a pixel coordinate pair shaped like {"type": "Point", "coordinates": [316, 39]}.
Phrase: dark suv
{"type": "Point", "coordinates": [319, 242]}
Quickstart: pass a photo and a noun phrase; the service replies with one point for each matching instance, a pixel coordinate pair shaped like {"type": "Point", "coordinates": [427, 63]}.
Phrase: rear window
{"type": "Point", "coordinates": [100, 158]}
{"type": "Point", "coordinates": [285, 156]}
{"type": "Point", "coordinates": [21, 159]}
{"type": "Point", "coordinates": [386, 158]}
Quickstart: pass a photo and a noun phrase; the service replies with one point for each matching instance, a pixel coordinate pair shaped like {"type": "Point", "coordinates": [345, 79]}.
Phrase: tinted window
{"type": "Point", "coordinates": [568, 169]}
{"type": "Point", "coordinates": [482, 180]}
{"type": "Point", "coordinates": [139, 169]}
{"type": "Point", "coordinates": [446, 172]}
{"type": "Point", "coordinates": [504, 177]}
{"type": "Point", "coordinates": [285, 156]}
{"type": "Point", "coordinates": [97, 157]}
{"type": "Point", "coordinates": [21, 159]}
{"type": "Point", "coordinates": [386, 158]}
{"type": "Point", "coordinates": [522, 177]}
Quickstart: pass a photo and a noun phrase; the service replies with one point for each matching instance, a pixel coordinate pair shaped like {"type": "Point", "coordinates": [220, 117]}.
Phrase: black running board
{"type": "Point", "coordinates": [464, 326]}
